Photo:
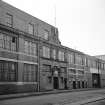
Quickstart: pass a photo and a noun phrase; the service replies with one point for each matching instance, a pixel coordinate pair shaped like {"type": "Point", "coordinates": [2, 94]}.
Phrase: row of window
{"type": "Point", "coordinates": [10, 43]}
{"type": "Point", "coordinates": [7, 42]}
{"type": "Point", "coordinates": [48, 68]}
{"type": "Point", "coordinates": [71, 58]}
{"type": "Point", "coordinates": [8, 72]}
{"type": "Point", "coordinates": [47, 53]}
{"type": "Point", "coordinates": [73, 71]}
{"type": "Point", "coordinates": [9, 22]}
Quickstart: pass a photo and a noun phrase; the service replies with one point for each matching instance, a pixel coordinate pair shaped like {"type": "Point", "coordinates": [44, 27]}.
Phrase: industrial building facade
{"type": "Point", "coordinates": [33, 59]}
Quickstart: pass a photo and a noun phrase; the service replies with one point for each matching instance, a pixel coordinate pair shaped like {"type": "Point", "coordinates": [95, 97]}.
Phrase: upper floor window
{"type": "Point", "coordinates": [46, 34]}
{"type": "Point", "coordinates": [71, 58]}
{"type": "Point", "coordinates": [8, 42]}
{"type": "Point", "coordinates": [9, 20]}
{"type": "Point", "coordinates": [30, 48]}
{"type": "Point", "coordinates": [78, 59]}
{"type": "Point", "coordinates": [46, 52]}
{"type": "Point", "coordinates": [54, 54]}
{"type": "Point", "coordinates": [80, 72]}
{"type": "Point", "coordinates": [47, 68]}
{"type": "Point", "coordinates": [61, 56]}
{"type": "Point", "coordinates": [31, 28]}
{"type": "Point", "coordinates": [72, 71]}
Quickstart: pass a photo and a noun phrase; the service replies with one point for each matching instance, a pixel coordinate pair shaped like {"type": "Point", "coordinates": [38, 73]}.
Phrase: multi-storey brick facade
{"type": "Point", "coordinates": [33, 59]}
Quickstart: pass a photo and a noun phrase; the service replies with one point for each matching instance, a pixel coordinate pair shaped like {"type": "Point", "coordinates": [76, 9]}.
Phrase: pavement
{"type": "Point", "coordinates": [20, 95]}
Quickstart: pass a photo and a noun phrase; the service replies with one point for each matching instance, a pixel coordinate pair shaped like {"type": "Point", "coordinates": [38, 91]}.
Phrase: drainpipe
{"type": "Point", "coordinates": [38, 51]}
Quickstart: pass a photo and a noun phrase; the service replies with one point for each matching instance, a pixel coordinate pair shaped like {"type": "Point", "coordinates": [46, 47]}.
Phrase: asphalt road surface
{"type": "Point", "coordinates": [100, 102]}
{"type": "Point", "coordinates": [57, 99]}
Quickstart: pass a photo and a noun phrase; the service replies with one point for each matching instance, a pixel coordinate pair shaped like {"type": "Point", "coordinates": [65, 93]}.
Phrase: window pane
{"type": "Point", "coordinates": [26, 46]}
{"type": "Point", "coordinates": [61, 56]}
{"type": "Point", "coordinates": [1, 40]}
{"type": "Point", "coordinates": [71, 58]}
{"type": "Point", "coordinates": [29, 73]}
{"type": "Point", "coordinates": [9, 20]}
{"type": "Point", "coordinates": [13, 43]}
{"type": "Point", "coordinates": [54, 54]}
{"type": "Point", "coordinates": [34, 49]}
{"type": "Point", "coordinates": [46, 52]}
{"type": "Point", "coordinates": [46, 34]}
{"type": "Point", "coordinates": [31, 29]}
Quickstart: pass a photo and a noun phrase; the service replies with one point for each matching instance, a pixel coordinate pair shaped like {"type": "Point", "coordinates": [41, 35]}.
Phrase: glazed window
{"type": "Point", "coordinates": [46, 34]}
{"type": "Point", "coordinates": [80, 72]}
{"type": "Point", "coordinates": [13, 43]}
{"type": "Point", "coordinates": [8, 42]}
{"type": "Point", "coordinates": [71, 58]}
{"type": "Point", "coordinates": [72, 71]}
{"type": "Point", "coordinates": [30, 48]}
{"type": "Point", "coordinates": [46, 52]}
{"type": "Point", "coordinates": [31, 29]}
{"type": "Point", "coordinates": [61, 56]}
{"type": "Point", "coordinates": [47, 68]}
{"type": "Point", "coordinates": [1, 40]}
{"type": "Point", "coordinates": [7, 71]}
{"type": "Point", "coordinates": [78, 59]}
{"type": "Point", "coordinates": [29, 73]}
{"type": "Point", "coordinates": [9, 20]}
{"type": "Point", "coordinates": [54, 54]}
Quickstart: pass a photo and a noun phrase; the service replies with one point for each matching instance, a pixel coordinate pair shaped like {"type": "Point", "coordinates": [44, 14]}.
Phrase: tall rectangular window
{"type": "Point", "coordinates": [31, 29]}
{"type": "Point", "coordinates": [71, 58]}
{"type": "Point", "coordinates": [8, 42]}
{"type": "Point", "coordinates": [1, 40]}
{"type": "Point", "coordinates": [61, 56]}
{"type": "Point", "coordinates": [29, 73]}
{"type": "Point", "coordinates": [7, 71]}
{"type": "Point", "coordinates": [9, 20]}
{"type": "Point", "coordinates": [46, 34]}
{"type": "Point", "coordinates": [78, 59]}
{"type": "Point", "coordinates": [46, 52]}
{"type": "Point", "coordinates": [54, 54]}
{"type": "Point", "coordinates": [30, 48]}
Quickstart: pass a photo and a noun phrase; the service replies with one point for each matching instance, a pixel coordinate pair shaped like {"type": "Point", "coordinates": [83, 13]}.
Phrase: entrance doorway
{"type": "Point", "coordinates": [82, 84]}
{"type": "Point", "coordinates": [79, 84]}
{"type": "Point", "coordinates": [96, 80]}
{"type": "Point", "coordinates": [56, 83]}
{"type": "Point", "coordinates": [74, 84]}
{"type": "Point", "coordinates": [65, 83]}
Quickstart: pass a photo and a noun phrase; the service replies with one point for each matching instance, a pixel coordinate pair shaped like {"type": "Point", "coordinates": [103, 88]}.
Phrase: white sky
{"type": "Point", "coordinates": [81, 23]}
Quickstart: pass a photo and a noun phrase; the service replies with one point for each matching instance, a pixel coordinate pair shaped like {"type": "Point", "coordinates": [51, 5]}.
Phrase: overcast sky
{"type": "Point", "coordinates": [81, 23]}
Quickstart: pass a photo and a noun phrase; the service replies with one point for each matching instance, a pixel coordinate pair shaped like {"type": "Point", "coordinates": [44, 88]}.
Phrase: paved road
{"type": "Point", "coordinates": [60, 99]}
{"type": "Point", "coordinates": [101, 102]}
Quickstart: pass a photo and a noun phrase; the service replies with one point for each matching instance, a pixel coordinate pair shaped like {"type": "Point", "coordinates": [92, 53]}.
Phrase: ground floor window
{"type": "Point", "coordinates": [7, 71]}
{"type": "Point", "coordinates": [46, 68]}
{"type": "Point", "coordinates": [30, 73]}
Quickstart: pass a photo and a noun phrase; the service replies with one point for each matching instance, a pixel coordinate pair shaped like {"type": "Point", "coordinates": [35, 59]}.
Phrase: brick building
{"type": "Point", "coordinates": [32, 57]}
